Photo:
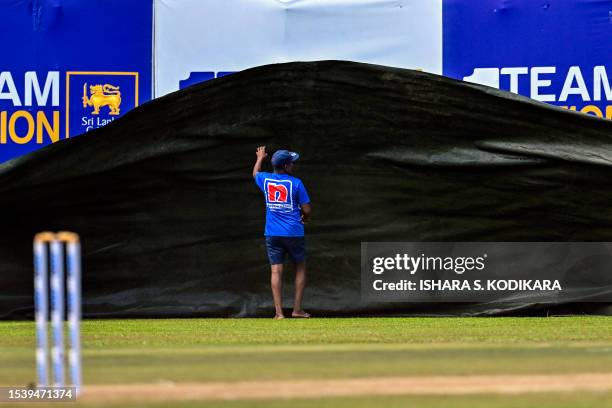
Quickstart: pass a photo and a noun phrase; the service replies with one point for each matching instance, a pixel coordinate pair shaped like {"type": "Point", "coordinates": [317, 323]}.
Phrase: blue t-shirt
{"type": "Point", "coordinates": [284, 196]}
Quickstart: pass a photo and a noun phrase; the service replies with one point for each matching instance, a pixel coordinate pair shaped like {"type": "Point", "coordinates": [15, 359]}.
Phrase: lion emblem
{"type": "Point", "coordinates": [102, 95]}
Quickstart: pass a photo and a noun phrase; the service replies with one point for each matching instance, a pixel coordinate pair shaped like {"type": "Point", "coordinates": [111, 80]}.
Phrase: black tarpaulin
{"type": "Point", "coordinates": [172, 222]}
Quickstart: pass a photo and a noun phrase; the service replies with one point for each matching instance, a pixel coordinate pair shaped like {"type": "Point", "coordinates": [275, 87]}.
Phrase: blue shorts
{"type": "Point", "coordinates": [278, 247]}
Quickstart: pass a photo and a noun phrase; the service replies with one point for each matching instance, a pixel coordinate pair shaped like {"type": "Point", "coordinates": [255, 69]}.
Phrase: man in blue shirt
{"type": "Point", "coordinates": [287, 209]}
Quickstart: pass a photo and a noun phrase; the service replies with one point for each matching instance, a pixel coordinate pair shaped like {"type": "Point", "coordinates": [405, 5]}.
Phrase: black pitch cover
{"type": "Point", "coordinates": [172, 222]}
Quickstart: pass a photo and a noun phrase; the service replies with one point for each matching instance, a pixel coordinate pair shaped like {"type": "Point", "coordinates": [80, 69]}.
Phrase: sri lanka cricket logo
{"type": "Point", "coordinates": [102, 95]}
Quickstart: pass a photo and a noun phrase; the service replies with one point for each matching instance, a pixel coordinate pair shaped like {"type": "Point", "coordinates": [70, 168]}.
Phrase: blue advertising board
{"type": "Point", "coordinates": [69, 66]}
{"type": "Point", "coordinates": [554, 51]}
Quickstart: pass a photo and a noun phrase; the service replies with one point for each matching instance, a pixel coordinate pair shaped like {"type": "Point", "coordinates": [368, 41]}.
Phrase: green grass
{"type": "Point", "coordinates": [558, 400]}
{"type": "Point", "coordinates": [561, 400]}
{"type": "Point", "coordinates": [123, 351]}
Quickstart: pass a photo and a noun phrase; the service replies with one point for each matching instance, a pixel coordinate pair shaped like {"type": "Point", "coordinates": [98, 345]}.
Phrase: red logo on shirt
{"type": "Point", "coordinates": [277, 193]}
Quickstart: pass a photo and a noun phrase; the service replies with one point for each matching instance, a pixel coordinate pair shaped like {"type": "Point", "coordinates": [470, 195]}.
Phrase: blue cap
{"type": "Point", "coordinates": [282, 157]}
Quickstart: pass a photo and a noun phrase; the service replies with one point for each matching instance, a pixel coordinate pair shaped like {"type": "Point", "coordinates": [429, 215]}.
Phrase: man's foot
{"type": "Point", "coordinates": [301, 313]}
{"type": "Point", "coordinates": [279, 317]}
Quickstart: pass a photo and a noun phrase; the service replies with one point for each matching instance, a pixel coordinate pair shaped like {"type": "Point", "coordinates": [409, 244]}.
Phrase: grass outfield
{"type": "Point", "coordinates": [560, 400]}
{"type": "Point", "coordinates": [229, 350]}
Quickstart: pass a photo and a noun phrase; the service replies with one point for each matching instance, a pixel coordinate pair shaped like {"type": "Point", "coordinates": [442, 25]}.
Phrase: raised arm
{"type": "Point", "coordinates": [261, 155]}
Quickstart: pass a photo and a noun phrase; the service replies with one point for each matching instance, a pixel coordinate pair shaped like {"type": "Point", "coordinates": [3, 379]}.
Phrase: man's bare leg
{"type": "Point", "coordinates": [277, 287]}
{"type": "Point", "coordinates": [300, 283]}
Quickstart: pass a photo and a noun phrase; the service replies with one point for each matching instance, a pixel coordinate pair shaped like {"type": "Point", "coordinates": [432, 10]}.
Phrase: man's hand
{"type": "Point", "coordinates": [261, 155]}
{"type": "Point", "coordinates": [305, 210]}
